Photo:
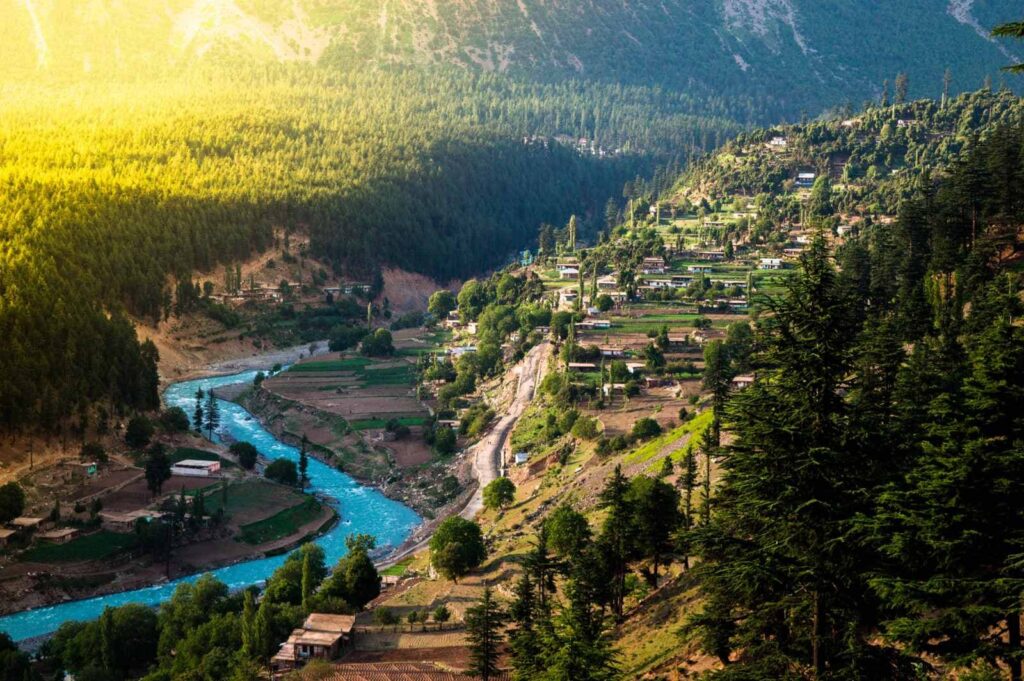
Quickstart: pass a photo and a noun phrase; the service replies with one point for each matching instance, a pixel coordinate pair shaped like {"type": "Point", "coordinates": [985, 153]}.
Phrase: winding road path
{"type": "Point", "coordinates": [487, 452]}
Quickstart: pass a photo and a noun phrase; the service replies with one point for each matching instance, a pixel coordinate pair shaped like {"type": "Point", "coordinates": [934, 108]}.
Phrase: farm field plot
{"type": "Point", "coordinates": [94, 546]}
{"type": "Point", "coordinates": [249, 502]}
{"type": "Point", "coordinates": [283, 523]}
{"type": "Point", "coordinates": [355, 388]}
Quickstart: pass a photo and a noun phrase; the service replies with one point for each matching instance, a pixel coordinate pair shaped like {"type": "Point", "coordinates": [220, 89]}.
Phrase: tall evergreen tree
{"type": "Point", "coordinates": [782, 580]}
{"type": "Point", "coordinates": [212, 414]}
{"type": "Point", "coordinates": [485, 624]}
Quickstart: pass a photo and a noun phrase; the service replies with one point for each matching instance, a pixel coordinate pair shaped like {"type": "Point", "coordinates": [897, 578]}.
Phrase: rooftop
{"type": "Point", "coordinates": [321, 622]}
{"type": "Point", "coordinates": [396, 671]}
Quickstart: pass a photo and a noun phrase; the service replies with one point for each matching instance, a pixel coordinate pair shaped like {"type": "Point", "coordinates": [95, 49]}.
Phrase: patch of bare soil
{"type": "Point", "coordinates": [407, 291]}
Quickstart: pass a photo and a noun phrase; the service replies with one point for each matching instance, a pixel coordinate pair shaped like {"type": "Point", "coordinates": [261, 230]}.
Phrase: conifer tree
{"type": "Point", "coordinates": [212, 414]}
{"type": "Point", "coordinates": [197, 416]}
{"type": "Point", "coordinates": [781, 580]}
{"type": "Point", "coordinates": [485, 624]}
{"type": "Point", "coordinates": [615, 537]}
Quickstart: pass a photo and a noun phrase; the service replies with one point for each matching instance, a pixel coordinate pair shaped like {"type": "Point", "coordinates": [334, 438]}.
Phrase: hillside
{"type": "Point", "coordinates": [786, 54]}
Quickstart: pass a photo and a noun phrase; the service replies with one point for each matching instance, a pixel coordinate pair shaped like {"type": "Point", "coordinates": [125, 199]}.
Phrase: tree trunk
{"type": "Point", "coordinates": [816, 657]}
{"type": "Point", "coordinates": [1013, 633]}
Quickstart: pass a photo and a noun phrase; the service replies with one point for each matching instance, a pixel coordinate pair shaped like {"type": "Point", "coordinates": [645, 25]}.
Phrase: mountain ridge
{"type": "Point", "coordinates": [732, 46]}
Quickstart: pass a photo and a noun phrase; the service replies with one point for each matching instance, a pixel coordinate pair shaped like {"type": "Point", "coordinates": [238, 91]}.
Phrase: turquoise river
{"type": "Point", "coordinates": [361, 509]}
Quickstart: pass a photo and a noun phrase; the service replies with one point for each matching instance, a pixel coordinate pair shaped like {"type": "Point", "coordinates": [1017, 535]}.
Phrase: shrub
{"type": "Point", "coordinates": [499, 493]}
{"type": "Point", "coordinates": [646, 428]}
{"type": "Point", "coordinates": [283, 471]}
{"type": "Point", "coordinates": [585, 428]}
{"type": "Point", "coordinates": [245, 453]}
{"type": "Point", "coordinates": [93, 451]}
{"type": "Point", "coordinates": [139, 431]}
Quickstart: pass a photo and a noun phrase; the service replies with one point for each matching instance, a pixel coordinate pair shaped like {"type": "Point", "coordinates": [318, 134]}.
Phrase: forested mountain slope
{"type": "Point", "coordinates": [788, 54]}
{"type": "Point", "coordinates": [878, 498]}
{"type": "Point", "coordinates": [115, 194]}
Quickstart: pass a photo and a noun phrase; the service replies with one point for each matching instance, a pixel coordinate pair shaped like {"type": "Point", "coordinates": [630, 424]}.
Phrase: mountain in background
{"type": "Point", "coordinates": [795, 55]}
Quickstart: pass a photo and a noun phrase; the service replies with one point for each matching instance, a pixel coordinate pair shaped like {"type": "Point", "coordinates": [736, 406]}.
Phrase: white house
{"type": "Point", "coordinates": [196, 468]}
{"type": "Point", "coordinates": [771, 264]}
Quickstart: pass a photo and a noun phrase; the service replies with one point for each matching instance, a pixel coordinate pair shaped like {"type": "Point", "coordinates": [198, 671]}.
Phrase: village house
{"type": "Point", "coordinates": [700, 269]}
{"type": "Point", "coordinates": [778, 142]}
{"type": "Point", "coordinates": [607, 282]}
{"type": "Point", "coordinates": [702, 336]}
{"type": "Point", "coordinates": [771, 264]}
{"type": "Point", "coordinates": [582, 366]}
{"type": "Point", "coordinates": [568, 265]}
{"type": "Point", "coordinates": [712, 255]}
{"type": "Point", "coordinates": [741, 382]}
{"type": "Point", "coordinates": [567, 298]}
{"type": "Point", "coordinates": [569, 272]}
{"type": "Point", "coordinates": [680, 281]}
{"type": "Point", "coordinates": [60, 536]}
{"type": "Point", "coordinates": [793, 252]}
{"type": "Point", "coordinates": [124, 523]}
{"type": "Point", "coordinates": [617, 296]}
{"type": "Point", "coordinates": [806, 180]}
{"type": "Point", "coordinates": [321, 637]}
{"type": "Point", "coordinates": [653, 265]}
{"type": "Point", "coordinates": [635, 367]}
{"type": "Point", "coordinates": [195, 468]}
{"type": "Point", "coordinates": [27, 524]}
{"type": "Point", "coordinates": [613, 352]}
{"type": "Point", "coordinates": [843, 230]}
{"type": "Point", "coordinates": [612, 388]}
{"type": "Point", "coordinates": [521, 458]}
{"type": "Point", "coordinates": [677, 342]}
{"type": "Point", "coordinates": [461, 350]}
{"type": "Point", "coordinates": [5, 536]}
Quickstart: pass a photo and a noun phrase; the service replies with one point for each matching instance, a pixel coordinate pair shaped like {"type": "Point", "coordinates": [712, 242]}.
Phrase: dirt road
{"type": "Point", "coordinates": [487, 453]}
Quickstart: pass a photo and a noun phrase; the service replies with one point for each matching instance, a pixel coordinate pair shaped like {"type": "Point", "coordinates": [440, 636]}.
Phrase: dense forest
{"type": "Point", "coordinates": [114, 192]}
{"type": "Point", "coordinates": [867, 528]}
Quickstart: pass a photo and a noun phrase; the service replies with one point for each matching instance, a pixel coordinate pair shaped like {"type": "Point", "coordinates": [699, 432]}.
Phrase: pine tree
{"type": "Point", "coordinates": [249, 634]}
{"type": "Point", "coordinates": [197, 417]}
{"type": "Point", "coordinates": [107, 640]}
{"type": "Point", "coordinates": [308, 580]}
{"type": "Point", "coordinates": [303, 461]}
{"type": "Point", "coordinates": [615, 538]}
{"type": "Point", "coordinates": [717, 380]}
{"type": "Point", "coordinates": [781, 579]}
{"type": "Point", "coordinates": [956, 525]}
{"type": "Point", "coordinates": [212, 414]}
{"type": "Point", "coordinates": [485, 623]}
{"type": "Point", "coordinates": [262, 636]}
{"type": "Point", "coordinates": [525, 640]}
